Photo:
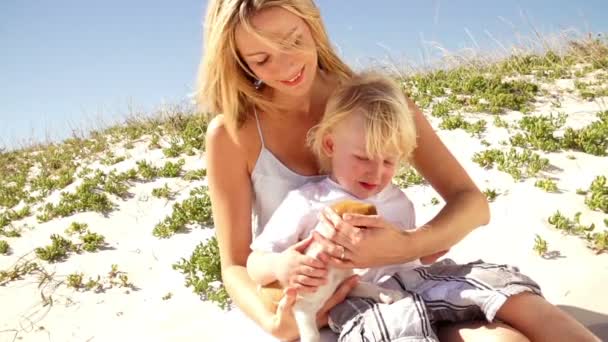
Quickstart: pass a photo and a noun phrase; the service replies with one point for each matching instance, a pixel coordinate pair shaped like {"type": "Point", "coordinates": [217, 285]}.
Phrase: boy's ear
{"type": "Point", "coordinates": [328, 145]}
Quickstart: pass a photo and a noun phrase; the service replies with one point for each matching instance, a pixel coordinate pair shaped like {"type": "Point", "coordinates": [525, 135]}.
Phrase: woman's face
{"type": "Point", "coordinates": [290, 71]}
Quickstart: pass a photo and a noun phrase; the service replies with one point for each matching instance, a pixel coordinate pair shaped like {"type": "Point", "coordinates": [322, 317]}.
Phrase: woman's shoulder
{"type": "Point", "coordinates": [232, 141]}
{"type": "Point", "coordinates": [221, 130]}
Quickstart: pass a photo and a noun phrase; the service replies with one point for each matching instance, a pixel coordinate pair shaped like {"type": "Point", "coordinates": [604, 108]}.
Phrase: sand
{"type": "Point", "coordinates": [572, 277]}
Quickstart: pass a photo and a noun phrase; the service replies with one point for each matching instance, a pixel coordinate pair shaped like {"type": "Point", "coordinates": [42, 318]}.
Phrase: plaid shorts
{"type": "Point", "coordinates": [442, 292]}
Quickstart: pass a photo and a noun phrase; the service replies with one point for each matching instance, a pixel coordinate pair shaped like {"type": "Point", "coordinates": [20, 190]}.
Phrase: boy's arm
{"type": "Point", "coordinates": [261, 266]}
{"type": "Point", "coordinates": [282, 231]}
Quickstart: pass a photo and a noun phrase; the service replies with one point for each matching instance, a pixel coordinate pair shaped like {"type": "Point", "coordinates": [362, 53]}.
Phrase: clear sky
{"type": "Point", "coordinates": [68, 64]}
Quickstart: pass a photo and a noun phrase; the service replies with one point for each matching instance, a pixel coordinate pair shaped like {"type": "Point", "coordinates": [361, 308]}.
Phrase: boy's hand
{"type": "Point", "coordinates": [299, 271]}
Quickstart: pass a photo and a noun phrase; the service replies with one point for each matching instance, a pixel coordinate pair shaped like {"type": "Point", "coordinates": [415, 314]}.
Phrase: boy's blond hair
{"type": "Point", "coordinates": [389, 122]}
{"type": "Point", "coordinates": [225, 83]}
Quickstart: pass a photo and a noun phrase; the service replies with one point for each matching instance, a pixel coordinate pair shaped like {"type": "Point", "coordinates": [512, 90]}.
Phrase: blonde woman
{"type": "Point", "coordinates": [268, 68]}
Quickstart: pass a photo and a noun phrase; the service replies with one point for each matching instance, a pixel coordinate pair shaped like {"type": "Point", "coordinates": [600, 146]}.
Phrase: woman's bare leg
{"type": "Point", "coordinates": [479, 331]}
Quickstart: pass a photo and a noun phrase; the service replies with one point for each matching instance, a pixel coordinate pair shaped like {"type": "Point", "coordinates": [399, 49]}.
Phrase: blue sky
{"type": "Point", "coordinates": [68, 64]}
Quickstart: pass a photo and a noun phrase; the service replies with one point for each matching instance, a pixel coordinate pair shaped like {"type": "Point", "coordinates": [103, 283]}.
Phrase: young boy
{"type": "Point", "coordinates": [366, 133]}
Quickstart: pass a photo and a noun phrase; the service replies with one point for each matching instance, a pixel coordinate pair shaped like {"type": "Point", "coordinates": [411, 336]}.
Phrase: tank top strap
{"type": "Point", "coordinates": [257, 121]}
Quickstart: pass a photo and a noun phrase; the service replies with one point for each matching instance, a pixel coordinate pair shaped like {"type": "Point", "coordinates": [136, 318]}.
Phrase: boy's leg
{"type": "Point", "coordinates": [479, 331]}
{"type": "Point", "coordinates": [458, 293]}
{"type": "Point", "coordinates": [362, 319]}
{"type": "Point", "coordinates": [530, 313]}
{"type": "Point", "coordinates": [375, 292]}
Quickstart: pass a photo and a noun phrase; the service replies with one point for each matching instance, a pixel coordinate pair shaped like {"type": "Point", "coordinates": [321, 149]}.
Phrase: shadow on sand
{"type": "Point", "coordinates": [595, 321]}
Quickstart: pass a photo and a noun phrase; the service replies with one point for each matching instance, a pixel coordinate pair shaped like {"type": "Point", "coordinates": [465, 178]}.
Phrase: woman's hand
{"type": "Point", "coordinates": [339, 295]}
{"type": "Point", "coordinates": [299, 271]}
{"type": "Point", "coordinates": [282, 324]}
{"type": "Point", "coordinates": [379, 243]}
{"type": "Point", "coordinates": [429, 259]}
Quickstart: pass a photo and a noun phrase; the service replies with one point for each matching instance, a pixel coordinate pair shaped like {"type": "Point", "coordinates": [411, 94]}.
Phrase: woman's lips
{"type": "Point", "coordinates": [296, 79]}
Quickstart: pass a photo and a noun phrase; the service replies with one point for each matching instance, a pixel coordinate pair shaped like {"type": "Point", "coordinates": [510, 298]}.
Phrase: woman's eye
{"type": "Point", "coordinates": [389, 162]}
{"type": "Point", "coordinates": [296, 42]}
{"type": "Point", "coordinates": [262, 62]}
{"type": "Point", "coordinates": [362, 158]}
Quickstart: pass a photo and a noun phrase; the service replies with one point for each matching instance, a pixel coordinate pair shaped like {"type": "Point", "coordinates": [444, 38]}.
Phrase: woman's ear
{"type": "Point", "coordinates": [328, 145]}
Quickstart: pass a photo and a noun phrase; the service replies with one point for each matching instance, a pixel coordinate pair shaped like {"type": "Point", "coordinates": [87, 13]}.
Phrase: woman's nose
{"type": "Point", "coordinates": [285, 65]}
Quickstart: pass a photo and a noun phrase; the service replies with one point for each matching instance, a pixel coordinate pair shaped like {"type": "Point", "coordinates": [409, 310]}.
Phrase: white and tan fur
{"type": "Point", "coordinates": [308, 304]}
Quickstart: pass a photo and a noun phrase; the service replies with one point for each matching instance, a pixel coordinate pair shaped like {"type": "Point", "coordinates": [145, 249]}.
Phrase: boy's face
{"type": "Point", "coordinates": [361, 175]}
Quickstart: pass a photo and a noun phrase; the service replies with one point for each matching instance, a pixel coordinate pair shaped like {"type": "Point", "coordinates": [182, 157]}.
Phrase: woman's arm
{"type": "Point", "coordinates": [261, 266]}
{"type": "Point", "coordinates": [466, 208]}
{"type": "Point", "coordinates": [230, 191]}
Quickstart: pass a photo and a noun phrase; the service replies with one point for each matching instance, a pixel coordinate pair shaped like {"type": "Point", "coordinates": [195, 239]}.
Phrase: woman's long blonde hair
{"type": "Point", "coordinates": [225, 84]}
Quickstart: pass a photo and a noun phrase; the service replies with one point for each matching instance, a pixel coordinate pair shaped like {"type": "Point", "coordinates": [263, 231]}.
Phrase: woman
{"type": "Point", "coordinates": [269, 68]}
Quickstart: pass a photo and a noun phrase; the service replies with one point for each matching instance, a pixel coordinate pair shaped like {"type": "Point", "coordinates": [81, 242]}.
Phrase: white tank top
{"type": "Point", "coordinates": [271, 181]}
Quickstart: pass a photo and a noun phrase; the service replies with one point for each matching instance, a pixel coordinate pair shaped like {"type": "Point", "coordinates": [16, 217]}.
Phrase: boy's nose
{"type": "Point", "coordinates": [375, 171]}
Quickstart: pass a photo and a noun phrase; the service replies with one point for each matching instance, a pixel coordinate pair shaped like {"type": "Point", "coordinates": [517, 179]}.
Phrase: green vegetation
{"type": "Point", "coordinates": [569, 226]}
{"type": "Point", "coordinates": [499, 122]}
{"type": "Point", "coordinates": [199, 174]}
{"type": "Point", "coordinates": [194, 210]}
{"type": "Point", "coordinates": [406, 177]}
{"type": "Point", "coordinates": [18, 271]}
{"type": "Point", "coordinates": [57, 251]}
{"type": "Point", "coordinates": [4, 247]}
{"type": "Point", "coordinates": [470, 88]}
{"type": "Point", "coordinates": [13, 215]}
{"type": "Point", "coordinates": [60, 246]}
{"type": "Point", "coordinates": [31, 173]}
{"type": "Point", "coordinates": [458, 121]}
{"type": "Point", "coordinates": [491, 194]}
{"type": "Point", "coordinates": [171, 170]}
{"type": "Point", "coordinates": [592, 139]}
{"type": "Point", "coordinates": [163, 192]}
{"type": "Point", "coordinates": [146, 170]}
{"type": "Point", "coordinates": [89, 196]}
{"type": "Point", "coordinates": [519, 165]}
{"type": "Point", "coordinates": [77, 228]}
{"type": "Point", "coordinates": [590, 91]}
{"type": "Point", "coordinates": [111, 159]}
{"type": "Point", "coordinates": [546, 184]}
{"type": "Point", "coordinates": [540, 245]}
{"type": "Point", "coordinates": [538, 132]}
{"type": "Point", "coordinates": [203, 273]}
{"type": "Point", "coordinates": [597, 241]}
{"type": "Point", "coordinates": [597, 195]}
{"type": "Point", "coordinates": [114, 278]}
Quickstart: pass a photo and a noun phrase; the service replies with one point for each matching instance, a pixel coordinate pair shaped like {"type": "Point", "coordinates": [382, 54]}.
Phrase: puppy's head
{"type": "Point", "coordinates": [344, 207]}
{"type": "Point", "coordinates": [353, 207]}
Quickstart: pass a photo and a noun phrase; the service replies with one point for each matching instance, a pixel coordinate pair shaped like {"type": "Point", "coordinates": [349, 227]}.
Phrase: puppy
{"type": "Point", "coordinates": [308, 304]}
